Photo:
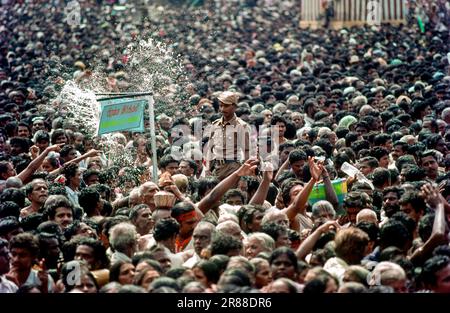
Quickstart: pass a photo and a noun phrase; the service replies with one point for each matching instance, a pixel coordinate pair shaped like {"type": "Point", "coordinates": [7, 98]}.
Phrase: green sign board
{"type": "Point", "coordinates": [121, 114]}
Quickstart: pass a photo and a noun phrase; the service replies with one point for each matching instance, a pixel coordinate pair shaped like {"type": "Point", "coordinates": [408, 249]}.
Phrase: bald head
{"type": "Point", "coordinates": [367, 215]}
{"type": "Point", "coordinates": [13, 182]}
{"type": "Point", "coordinates": [227, 217]}
{"type": "Point", "coordinates": [230, 228]}
{"type": "Point", "coordinates": [134, 197]}
{"type": "Point", "coordinates": [146, 192]}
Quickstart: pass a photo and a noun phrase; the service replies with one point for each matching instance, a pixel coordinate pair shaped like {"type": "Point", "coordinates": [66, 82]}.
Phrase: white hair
{"type": "Point", "coordinates": [322, 206]}
{"type": "Point", "coordinates": [302, 131]}
{"type": "Point", "coordinates": [227, 217]}
{"type": "Point", "coordinates": [367, 215]}
{"type": "Point", "coordinates": [359, 101]}
{"type": "Point", "coordinates": [123, 236]}
{"type": "Point", "coordinates": [386, 273]}
{"type": "Point", "coordinates": [266, 241]}
{"type": "Point", "coordinates": [445, 112]}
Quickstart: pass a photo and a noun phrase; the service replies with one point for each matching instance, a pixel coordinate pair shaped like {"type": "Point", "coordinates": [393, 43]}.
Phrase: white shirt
{"type": "Point", "coordinates": [72, 196]}
{"type": "Point", "coordinates": [192, 261]}
{"type": "Point", "coordinates": [7, 286]}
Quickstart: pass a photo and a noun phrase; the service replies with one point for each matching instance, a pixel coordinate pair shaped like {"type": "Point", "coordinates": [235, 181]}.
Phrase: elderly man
{"type": "Point", "coordinates": [37, 193]}
{"type": "Point", "coordinates": [202, 235]}
{"type": "Point", "coordinates": [146, 192]}
{"type": "Point", "coordinates": [229, 139]}
{"type": "Point", "coordinates": [123, 239]}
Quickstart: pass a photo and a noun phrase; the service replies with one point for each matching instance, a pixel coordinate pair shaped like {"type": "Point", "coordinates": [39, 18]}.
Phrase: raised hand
{"type": "Point", "coordinates": [267, 170]}
{"type": "Point", "coordinates": [34, 151]}
{"type": "Point", "coordinates": [248, 168]}
{"type": "Point", "coordinates": [329, 225]}
{"type": "Point", "coordinates": [174, 189]}
{"type": "Point", "coordinates": [93, 153]}
{"type": "Point", "coordinates": [431, 195]}
{"type": "Point", "coordinates": [315, 168]}
{"type": "Point", "coordinates": [55, 148]}
{"type": "Point", "coordinates": [43, 276]}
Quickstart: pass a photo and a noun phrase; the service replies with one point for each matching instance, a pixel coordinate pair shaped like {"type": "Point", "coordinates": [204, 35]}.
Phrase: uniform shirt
{"type": "Point", "coordinates": [229, 140]}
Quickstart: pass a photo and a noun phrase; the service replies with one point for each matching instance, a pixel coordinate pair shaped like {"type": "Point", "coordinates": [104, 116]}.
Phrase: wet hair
{"type": "Point", "coordinates": [99, 251]}
{"type": "Point", "coordinates": [381, 177]}
{"type": "Point", "coordinates": [55, 202]}
{"type": "Point", "coordinates": [25, 241]}
{"type": "Point", "coordinates": [234, 193]}
{"type": "Point", "coordinates": [166, 160]}
{"type": "Point", "coordinates": [165, 229]}
{"type": "Point", "coordinates": [284, 251]}
{"type": "Point", "coordinates": [114, 271]}
{"type": "Point", "coordinates": [204, 184]}
{"type": "Point", "coordinates": [274, 230]}
{"type": "Point", "coordinates": [24, 143]}
{"type": "Point", "coordinates": [222, 243]}
{"type": "Point", "coordinates": [431, 267]}
{"type": "Point", "coordinates": [371, 229]}
{"type": "Point", "coordinates": [297, 155]}
{"type": "Point", "coordinates": [9, 208]}
{"type": "Point", "coordinates": [57, 133]}
{"type": "Point", "coordinates": [13, 194]}
{"type": "Point", "coordinates": [30, 222]}
{"type": "Point", "coordinates": [69, 170]}
{"type": "Point", "coordinates": [88, 200]}
{"type": "Point", "coordinates": [286, 187]}
{"type": "Point", "coordinates": [426, 226]}
{"type": "Point", "coordinates": [394, 233]}
{"type": "Point", "coordinates": [162, 282]}
{"type": "Point", "coordinates": [210, 270]}
{"type": "Point", "coordinates": [381, 139]}
{"type": "Point", "coordinates": [41, 135]}
{"type": "Point", "coordinates": [356, 199]}
{"type": "Point", "coordinates": [427, 153]}
{"type": "Point", "coordinates": [181, 208]}
{"type": "Point", "coordinates": [415, 199]}
{"type": "Point", "coordinates": [8, 224]}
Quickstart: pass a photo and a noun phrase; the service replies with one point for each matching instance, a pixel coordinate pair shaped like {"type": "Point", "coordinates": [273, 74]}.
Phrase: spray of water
{"type": "Point", "coordinates": [148, 65]}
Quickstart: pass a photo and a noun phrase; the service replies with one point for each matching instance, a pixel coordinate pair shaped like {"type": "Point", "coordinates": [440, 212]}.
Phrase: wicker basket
{"type": "Point", "coordinates": [164, 199]}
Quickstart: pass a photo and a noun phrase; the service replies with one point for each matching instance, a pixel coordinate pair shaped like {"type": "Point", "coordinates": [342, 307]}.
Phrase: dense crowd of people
{"type": "Point", "coordinates": [350, 193]}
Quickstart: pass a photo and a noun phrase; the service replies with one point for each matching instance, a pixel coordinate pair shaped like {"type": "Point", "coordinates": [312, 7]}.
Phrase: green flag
{"type": "Point", "coordinates": [420, 22]}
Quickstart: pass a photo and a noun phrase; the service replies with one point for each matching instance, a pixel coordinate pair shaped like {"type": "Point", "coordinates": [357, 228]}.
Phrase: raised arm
{"type": "Point", "coordinates": [330, 193]}
{"type": "Point", "coordinates": [25, 175]}
{"type": "Point", "coordinates": [299, 204]}
{"type": "Point", "coordinates": [261, 193]}
{"type": "Point", "coordinates": [308, 244]}
{"type": "Point", "coordinates": [438, 234]}
{"type": "Point", "coordinates": [88, 154]}
{"type": "Point", "coordinates": [247, 169]}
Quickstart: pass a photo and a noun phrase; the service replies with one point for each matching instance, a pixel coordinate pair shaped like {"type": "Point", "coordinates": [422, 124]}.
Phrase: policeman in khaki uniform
{"type": "Point", "coordinates": [229, 139]}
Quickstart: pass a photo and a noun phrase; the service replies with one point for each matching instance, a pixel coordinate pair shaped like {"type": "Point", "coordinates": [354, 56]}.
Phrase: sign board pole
{"type": "Point", "coordinates": [151, 102]}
